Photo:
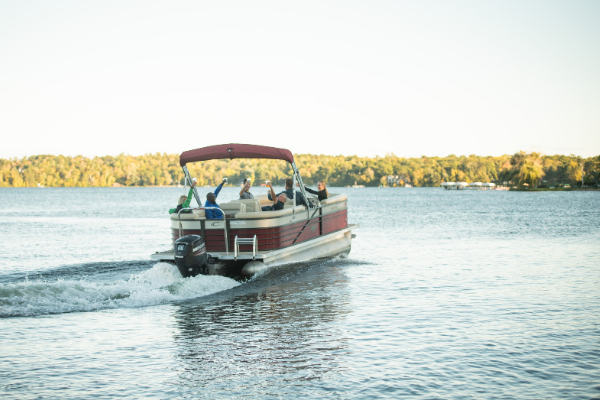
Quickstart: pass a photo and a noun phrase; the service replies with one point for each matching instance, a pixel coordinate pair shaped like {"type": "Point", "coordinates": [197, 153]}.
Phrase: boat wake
{"type": "Point", "coordinates": [158, 285]}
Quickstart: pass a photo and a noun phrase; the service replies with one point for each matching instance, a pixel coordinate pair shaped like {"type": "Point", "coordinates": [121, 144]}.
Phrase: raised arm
{"type": "Point", "coordinates": [218, 189]}
{"type": "Point", "coordinates": [187, 201]}
{"type": "Point", "coordinates": [273, 197]}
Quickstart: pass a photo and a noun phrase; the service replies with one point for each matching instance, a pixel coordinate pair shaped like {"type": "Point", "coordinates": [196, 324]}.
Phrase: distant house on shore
{"type": "Point", "coordinates": [398, 180]}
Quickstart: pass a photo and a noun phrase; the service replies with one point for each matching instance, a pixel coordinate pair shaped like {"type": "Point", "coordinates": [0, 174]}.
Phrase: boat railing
{"type": "Point", "coordinates": [206, 208]}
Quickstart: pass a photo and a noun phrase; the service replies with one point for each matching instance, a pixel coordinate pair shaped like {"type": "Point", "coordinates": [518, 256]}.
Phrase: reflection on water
{"type": "Point", "coordinates": [278, 325]}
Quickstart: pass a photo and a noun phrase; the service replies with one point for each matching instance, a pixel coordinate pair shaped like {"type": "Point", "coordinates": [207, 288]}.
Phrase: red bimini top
{"type": "Point", "coordinates": [235, 150]}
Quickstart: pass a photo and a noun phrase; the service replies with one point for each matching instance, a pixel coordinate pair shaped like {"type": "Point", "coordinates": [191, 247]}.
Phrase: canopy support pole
{"type": "Point", "coordinates": [293, 193]}
{"type": "Point", "coordinates": [189, 180]}
{"type": "Point", "coordinates": [297, 174]}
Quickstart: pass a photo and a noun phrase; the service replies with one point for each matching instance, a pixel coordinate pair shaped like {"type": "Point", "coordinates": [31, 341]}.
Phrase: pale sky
{"type": "Point", "coordinates": [324, 77]}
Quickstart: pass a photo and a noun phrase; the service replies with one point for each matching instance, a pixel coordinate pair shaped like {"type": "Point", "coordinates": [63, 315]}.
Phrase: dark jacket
{"type": "Point", "coordinates": [300, 200]}
{"type": "Point", "coordinates": [274, 207]}
{"type": "Point", "coordinates": [322, 194]}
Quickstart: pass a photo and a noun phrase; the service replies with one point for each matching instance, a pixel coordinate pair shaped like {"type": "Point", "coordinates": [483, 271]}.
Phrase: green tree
{"type": "Point", "coordinates": [530, 170]}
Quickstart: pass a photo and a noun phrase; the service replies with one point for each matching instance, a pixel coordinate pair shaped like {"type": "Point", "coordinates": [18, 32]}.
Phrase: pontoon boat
{"type": "Point", "coordinates": [250, 240]}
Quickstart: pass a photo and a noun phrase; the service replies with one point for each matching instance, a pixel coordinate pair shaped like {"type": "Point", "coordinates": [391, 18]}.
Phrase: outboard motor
{"type": "Point", "coordinates": [190, 255]}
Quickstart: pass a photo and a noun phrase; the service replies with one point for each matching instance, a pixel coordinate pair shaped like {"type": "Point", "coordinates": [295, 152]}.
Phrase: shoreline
{"type": "Point", "coordinates": [342, 187]}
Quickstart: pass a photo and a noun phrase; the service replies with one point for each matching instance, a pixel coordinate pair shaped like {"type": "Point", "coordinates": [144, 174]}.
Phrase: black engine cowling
{"type": "Point", "coordinates": [190, 255]}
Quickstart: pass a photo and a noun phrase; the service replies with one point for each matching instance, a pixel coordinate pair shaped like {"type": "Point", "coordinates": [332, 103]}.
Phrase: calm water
{"type": "Point", "coordinates": [445, 295]}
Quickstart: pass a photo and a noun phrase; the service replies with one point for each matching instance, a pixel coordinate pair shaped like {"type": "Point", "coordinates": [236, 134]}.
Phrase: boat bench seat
{"type": "Point", "coordinates": [263, 200]}
{"type": "Point", "coordinates": [289, 205]}
{"type": "Point", "coordinates": [269, 214]}
{"type": "Point", "coordinates": [228, 208]}
{"type": "Point", "coordinates": [334, 198]}
{"type": "Point", "coordinates": [233, 208]}
{"type": "Point", "coordinates": [195, 214]}
{"type": "Point", "coordinates": [252, 205]}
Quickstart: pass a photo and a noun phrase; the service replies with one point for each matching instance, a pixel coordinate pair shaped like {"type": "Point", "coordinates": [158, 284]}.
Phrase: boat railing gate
{"type": "Point", "coordinates": [206, 208]}
{"type": "Point", "coordinates": [241, 241]}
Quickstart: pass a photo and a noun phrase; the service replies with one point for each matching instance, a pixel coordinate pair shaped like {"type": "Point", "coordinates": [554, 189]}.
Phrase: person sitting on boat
{"type": "Point", "coordinates": [321, 191]}
{"type": "Point", "coordinates": [184, 201]}
{"type": "Point", "coordinates": [289, 192]}
{"type": "Point", "coordinates": [245, 192]}
{"type": "Point", "coordinates": [211, 201]}
{"type": "Point", "coordinates": [279, 201]}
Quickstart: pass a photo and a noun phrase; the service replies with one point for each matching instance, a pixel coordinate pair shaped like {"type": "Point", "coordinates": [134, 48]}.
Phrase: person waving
{"type": "Point", "coordinates": [184, 202]}
{"type": "Point", "coordinates": [321, 191]}
{"type": "Point", "coordinates": [211, 201]}
{"type": "Point", "coordinates": [278, 200]}
{"type": "Point", "coordinates": [245, 192]}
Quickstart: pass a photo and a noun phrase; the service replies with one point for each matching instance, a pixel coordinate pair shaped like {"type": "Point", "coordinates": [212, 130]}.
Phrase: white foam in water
{"type": "Point", "coordinates": [158, 285]}
{"type": "Point", "coordinates": [162, 274]}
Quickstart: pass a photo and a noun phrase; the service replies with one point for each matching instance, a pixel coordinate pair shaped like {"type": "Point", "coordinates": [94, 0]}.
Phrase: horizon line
{"type": "Point", "coordinates": [391, 155]}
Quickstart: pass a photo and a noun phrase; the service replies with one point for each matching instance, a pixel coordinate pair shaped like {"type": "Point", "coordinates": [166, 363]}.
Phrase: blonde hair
{"type": "Point", "coordinates": [182, 200]}
{"type": "Point", "coordinates": [324, 187]}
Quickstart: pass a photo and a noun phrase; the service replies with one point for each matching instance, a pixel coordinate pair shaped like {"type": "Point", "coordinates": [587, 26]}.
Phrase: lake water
{"type": "Point", "coordinates": [445, 295]}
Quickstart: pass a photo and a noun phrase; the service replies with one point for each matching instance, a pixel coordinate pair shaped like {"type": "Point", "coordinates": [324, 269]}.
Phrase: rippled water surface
{"type": "Point", "coordinates": [446, 294]}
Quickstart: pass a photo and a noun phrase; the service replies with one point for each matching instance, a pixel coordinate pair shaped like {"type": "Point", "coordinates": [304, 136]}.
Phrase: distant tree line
{"type": "Point", "coordinates": [163, 170]}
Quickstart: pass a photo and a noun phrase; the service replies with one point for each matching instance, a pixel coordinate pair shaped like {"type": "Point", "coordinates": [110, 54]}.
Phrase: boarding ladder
{"type": "Point", "coordinates": [242, 241]}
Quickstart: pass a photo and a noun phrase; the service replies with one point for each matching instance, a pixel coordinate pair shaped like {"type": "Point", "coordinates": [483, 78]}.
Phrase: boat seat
{"type": "Point", "coordinates": [268, 214]}
{"type": "Point", "coordinates": [233, 208]}
{"type": "Point", "coordinates": [195, 214]}
{"type": "Point", "coordinates": [263, 200]}
{"type": "Point", "coordinates": [298, 208]}
{"type": "Point", "coordinates": [334, 198]}
{"type": "Point", "coordinates": [252, 205]}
